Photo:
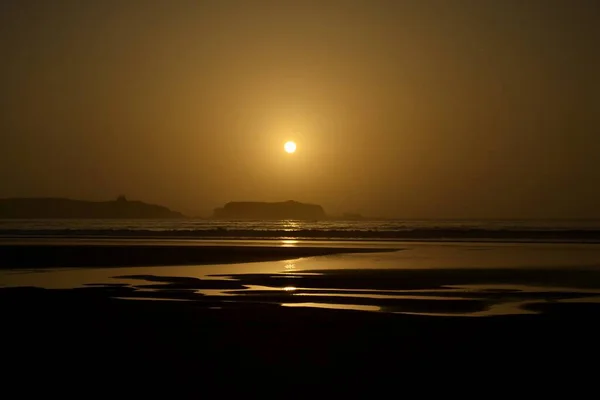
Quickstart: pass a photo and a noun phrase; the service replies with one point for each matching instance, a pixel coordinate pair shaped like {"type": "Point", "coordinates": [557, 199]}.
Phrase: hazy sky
{"type": "Point", "coordinates": [449, 108]}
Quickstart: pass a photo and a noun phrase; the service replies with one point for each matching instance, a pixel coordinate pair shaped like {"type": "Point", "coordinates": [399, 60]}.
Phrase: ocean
{"type": "Point", "coordinates": [435, 268]}
{"type": "Point", "coordinates": [579, 231]}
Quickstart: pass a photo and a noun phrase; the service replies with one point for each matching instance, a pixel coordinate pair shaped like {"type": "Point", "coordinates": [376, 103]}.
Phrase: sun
{"type": "Point", "coordinates": [290, 147]}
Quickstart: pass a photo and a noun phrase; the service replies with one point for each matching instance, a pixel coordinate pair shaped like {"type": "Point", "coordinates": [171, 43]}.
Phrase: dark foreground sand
{"type": "Point", "coordinates": [86, 335]}
{"type": "Point", "coordinates": [250, 343]}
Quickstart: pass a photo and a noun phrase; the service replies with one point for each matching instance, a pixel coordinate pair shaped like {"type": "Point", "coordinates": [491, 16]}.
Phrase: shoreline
{"type": "Point", "coordinates": [209, 324]}
{"type": "Point", "coordinates": [128, 255]}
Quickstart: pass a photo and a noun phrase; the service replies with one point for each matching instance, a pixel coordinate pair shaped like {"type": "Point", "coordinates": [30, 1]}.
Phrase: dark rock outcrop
{"type": "Point", "coordinates": [261, 210]}
{"type": "Point", "coordinates": [67, 208]}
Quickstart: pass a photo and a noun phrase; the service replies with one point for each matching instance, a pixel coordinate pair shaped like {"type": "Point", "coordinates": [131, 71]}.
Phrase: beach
{"type": "Point", "coordinates": [312, 199]}
{"type": "Point", "coordinates": [284, 309]}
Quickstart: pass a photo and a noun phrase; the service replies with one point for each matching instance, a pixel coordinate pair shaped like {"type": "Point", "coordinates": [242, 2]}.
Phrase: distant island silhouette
{"type": "Point", "coordinates": [121, 208]}
{"type": "Point", "coordinates": [278, 210]}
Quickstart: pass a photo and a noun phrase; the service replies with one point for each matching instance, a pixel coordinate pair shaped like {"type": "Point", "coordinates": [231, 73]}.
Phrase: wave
{"type": "Point", "coordinates": [425, 234]}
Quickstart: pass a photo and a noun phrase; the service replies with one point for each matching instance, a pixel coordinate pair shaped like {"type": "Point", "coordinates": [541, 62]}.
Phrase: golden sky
{"type": "Point", "coordinates": [412, 109]}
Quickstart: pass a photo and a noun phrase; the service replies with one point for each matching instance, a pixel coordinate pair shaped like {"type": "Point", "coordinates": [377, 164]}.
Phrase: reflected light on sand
{"type": "Point", "coordinates": [356, 307]}
{"type": "Point", "coordinates": [290, 266]}
{"type": "Point", "coordinates": [289, 243]}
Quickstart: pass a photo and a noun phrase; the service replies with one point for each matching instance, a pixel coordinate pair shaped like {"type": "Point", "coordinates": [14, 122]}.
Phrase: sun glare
{"type": "Point", "coordinates": [290, 147]}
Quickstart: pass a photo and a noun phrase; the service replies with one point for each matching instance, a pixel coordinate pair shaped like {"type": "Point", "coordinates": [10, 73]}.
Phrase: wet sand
{"type": "Point", "coordinates": [87, 334]}
{"type": "Point", "coordinates": [229, 328]}
{"type": "Point", "coordinates": [75, 255]}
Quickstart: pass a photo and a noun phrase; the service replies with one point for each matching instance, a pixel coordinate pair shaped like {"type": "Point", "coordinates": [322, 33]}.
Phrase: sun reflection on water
{"type": "Point", "coordinates": [290, 266]}
{"type": "Point", "coordinates": [291, 225]}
